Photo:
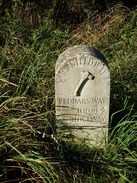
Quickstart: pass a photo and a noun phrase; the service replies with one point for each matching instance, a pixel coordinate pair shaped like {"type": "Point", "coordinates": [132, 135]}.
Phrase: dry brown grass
{"type": "Point", "coordinates": [98, 25]}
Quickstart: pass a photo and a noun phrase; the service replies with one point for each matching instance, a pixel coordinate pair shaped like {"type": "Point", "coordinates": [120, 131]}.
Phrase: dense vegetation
{"type": "Point", "coordinates": [32, 36]}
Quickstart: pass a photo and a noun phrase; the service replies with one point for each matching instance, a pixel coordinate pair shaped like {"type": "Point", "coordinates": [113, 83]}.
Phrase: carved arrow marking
{"type": "Point", "coordinates": [102, 109]}
{"type": "Point", "coordinates": [85, 76]}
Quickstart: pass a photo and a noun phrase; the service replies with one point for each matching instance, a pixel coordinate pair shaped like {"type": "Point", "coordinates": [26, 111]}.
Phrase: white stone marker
{"type": "Point", "coordinates": [82, 92]}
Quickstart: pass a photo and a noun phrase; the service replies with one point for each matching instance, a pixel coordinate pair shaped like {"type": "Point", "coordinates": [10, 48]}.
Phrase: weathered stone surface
{"type": "Point", "coordinates": [82, 91]}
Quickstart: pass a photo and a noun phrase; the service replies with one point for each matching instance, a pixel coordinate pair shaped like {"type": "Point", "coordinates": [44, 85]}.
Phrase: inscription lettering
{"type": "Point", "coordinates": [90, 61]}
{"type": "Point", "coordinates": [66, 101]}
{"type": "Point", "coordinates": [81, 61]}
{"type": "Point", "coordinates": [87, 110]}
{"type": "Point", "coordinates": [73, 62]}
{"type": "Point", "coordinates": [88, 119]}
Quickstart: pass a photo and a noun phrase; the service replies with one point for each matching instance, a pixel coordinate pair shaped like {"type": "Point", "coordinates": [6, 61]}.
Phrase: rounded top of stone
{"type": "Point", "coordinates": [78, 50]}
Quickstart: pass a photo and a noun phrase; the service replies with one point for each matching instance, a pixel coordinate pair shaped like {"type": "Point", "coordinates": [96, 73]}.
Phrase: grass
{"type": "Point", "coordinates": [29, 150]}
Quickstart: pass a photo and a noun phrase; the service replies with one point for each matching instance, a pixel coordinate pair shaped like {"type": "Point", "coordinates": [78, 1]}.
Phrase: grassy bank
{"type": "Point", "coordinates": [29, 150]}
